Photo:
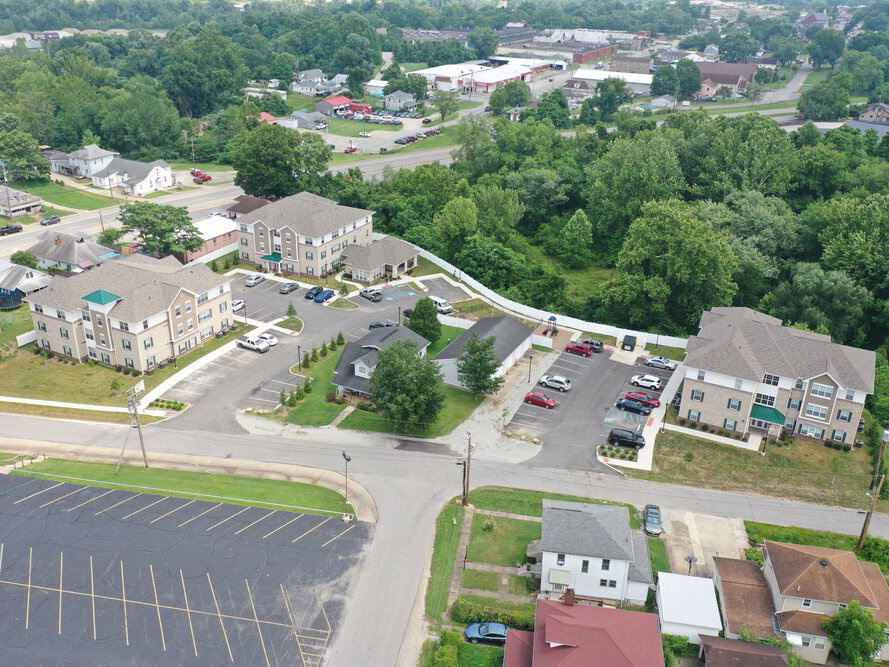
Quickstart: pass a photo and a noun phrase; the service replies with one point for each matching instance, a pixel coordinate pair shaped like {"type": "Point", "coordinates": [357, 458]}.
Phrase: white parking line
{"type": "Point", "coordinates": [531, 405]}
{"type": "Point", "coordinates": [264, 400]}
{"type": "Point", "coordinates": [526, 415]}
{"type": "Point", "coordinates": [563, 360]}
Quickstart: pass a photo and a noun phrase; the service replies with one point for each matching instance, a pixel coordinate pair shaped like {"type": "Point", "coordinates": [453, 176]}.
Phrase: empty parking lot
{"type": "Point", "coordinates": [110, 577]}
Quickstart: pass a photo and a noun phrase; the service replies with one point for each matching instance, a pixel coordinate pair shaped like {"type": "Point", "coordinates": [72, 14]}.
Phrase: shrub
{"type": "Point", "coordinates": [236, 260]}
{"type": "Point", "coordinates": [323, 349]}
{"type": "Point", "coordinates": [136, 372]}
{"type": "Point", "coordinates": [720, 432]}
{"type": "Point", "coordinates": [828, 444]}
{"type": "Point", "coordinates": [340, 339]}
{"type": "Point", "coordinates": [789, 441]}
{"type": "Point", "coordinates": [214, 266]}
{"type": "Point", "coordinates": [446, 656]}
{"type": "Point", "coordinates": [837, 445]}
{"type": "Point", "coordinates": [689, 456]}
{"type": "Point", "coordinates": [37, 350]}
{"type": "Point", "coordinates": [679, 646]}
{"type": "Point", "coordinates": [754, 554]}
{"type": "Point", "coordinates": [847, 448]}
{"type": "Point", "coordinates": [773, 441]}
{"type": "Point", "coordinates": [283, 398]}
{"type": "Point", "coordinates": [682, 422]}
{"type": "Point", "coordinates": [306, 360]}
{"type": "Point", "coordinates": [333, 344]}
{"type": "Point", "coordinates": [633, 456]}
{"type": "Point", "coordinates": [489, 524]}
{"type": "Point", "coordinates": [314, 355]}
{"type": "Point", "coordinates": [465, 610]}
{"type": "Point", "coordinates": [737, 436]}
{"type": "Point", "coordinates": [623, 455]}
{"type": "Point", "coordinates": [291, 399]}
{"type": "Point", "coordinates": [307, 387]}
{"type": "Point", "coordinates": [228, 262]}
{"type": "Point", "coordinates": [693, 425]}
{"type": "Point", "coordinates": [331, 396]}
{"type": "Point", "coordinates": [876, 550]}
{"type": "Point", "coordinates": [300, 392]}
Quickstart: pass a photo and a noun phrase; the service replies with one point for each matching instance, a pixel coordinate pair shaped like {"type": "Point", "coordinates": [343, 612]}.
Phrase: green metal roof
{"type": "Point", "coordinates": [101, 297]}
{"type": "Point", "coordinates": [767, 414]}
{"type": "Point", "coordinates": [274, 257]}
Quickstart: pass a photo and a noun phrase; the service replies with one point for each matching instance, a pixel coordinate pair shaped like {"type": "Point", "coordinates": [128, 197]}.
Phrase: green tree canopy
{"type": "Point", "coordinates": [162, 229]}
{"type": "Point", "coordinates": [666, 81]}
{"type": "Point", "coordinates": [24, 161]}
{"type": "Point", "coordinates": [23, 257]}
{"type": "Point", "coordinates": [484, 42]}
{"type": "Point", "coordinates": [405, 387]}
{"type": "Point", "coordinates": [508, 96]}
{"type": "Point", "coordinates": [445, 103]}
{"type": "Point", "coordinates": [828, 100]}
{"type": "Point", "coordinates": [826, 46]}
{"type": "Point", "coordinates": [477, 366]}
{"type": "Point", "coordinates": [573, 242]}
{"type": "Point", "coordinates": [490, 262]}
{"type": "Point", "coordinates": [855, 635]}
{"type": "Point", "coordinates": [456, 222]}
{"type": "Point", "coordinates": [689, 79]}
{"type": "Point", "coordinates": [554, 106]}
{"type": "Point", "coordinates": [424, 320]}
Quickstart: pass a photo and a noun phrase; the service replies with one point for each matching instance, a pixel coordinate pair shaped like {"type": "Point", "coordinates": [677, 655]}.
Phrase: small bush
{"type": "Point", "coordinates": [737, 436]}
{"type": "Point", "coordinates": [331, 396]}
{"type": "Point", "coordinates": [773, 441]}
{"type": "Point", "coordinates": [689, 456]}
{"type": "Point", "coordinates": [236, 260]}
{"type": "Point", "coordinates": [323, 349]}
{"type": "Point", "coordinates": [837, 445]}
{"type": "Point", "coordinates": [679, 646]}
{"type": "Point", "coordinates": [307, 388]}
{"type": "Point", "coordinates": [682, 422]}
{"type": "Point", "coordinates": [633, 456]}
{"type": "Point", "coordinates": [754, 554]}
{"type": "Point", "coordinates": [720, 432]}
{"type": "Point", "coordinates": [306, 360]}
{"type": "Point", "coordinates": [36, 350]}
{"type": "Point", "coordinates": [789, 441]}
{"type": "Point", "coordinates": [693, 425]}
{"type": "Point", "coordinates": [489, 524]}
{"type": "Point", "coordinates": [214, 267]}
{"type": "Point", "coordinates": [314, 355]}
{"type": "Point", "coordinates": [228, 263]}
{"type": "Point", "coordinates": [847, 448]}
{"type": "Point", "coordinates": [465, 610]}
{"type": "Point", "coordinates": [300, 392]}
{"type": "Point", "coordinates": [340, 339]}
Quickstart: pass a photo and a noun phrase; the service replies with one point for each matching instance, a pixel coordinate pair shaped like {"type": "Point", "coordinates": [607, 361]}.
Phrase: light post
{"type": "Point", "coordinates": [399, 315]}
{"type": "Point", "coordinates": [530, 359]}
{"type": "Point", "coordinates": [299, 356]}
{"type": "Point", "coordinates": [691, 559]}
{"type": "Point", "coordinates": [347, 458]}
{"type": "Point", "coordinates": [6, 183]}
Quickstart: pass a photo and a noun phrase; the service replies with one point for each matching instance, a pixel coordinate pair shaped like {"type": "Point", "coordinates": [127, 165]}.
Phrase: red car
{"type": "Point", "coordinates": [579, 348]}
{"type": "Point", "coordinates": [539, 398]}
{"type": "Point", "coordinates": [643, 398]}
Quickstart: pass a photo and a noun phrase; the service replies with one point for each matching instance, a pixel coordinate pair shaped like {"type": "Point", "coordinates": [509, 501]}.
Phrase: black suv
{"type": "Point", "coordinates": [594, 343]}
{"type": "Point", "coordinates": [312, 293]}
{"type": "Point", "coordinates": [10, 229]}
{"type": "Point", "coordinates": [624, 438]}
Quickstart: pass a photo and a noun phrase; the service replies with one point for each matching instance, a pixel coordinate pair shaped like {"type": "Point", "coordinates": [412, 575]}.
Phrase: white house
{"type": "Point", "coordinates": [106, 169]}
{"type": "Point", "coordinates": [687, 606]}
{"type": "Point", "coordinates": [592, 550]}
{"type": "Point", "coordinates": [375, 87]}
{"type": "Point", "coordinates": [512, 340]}
{"type": "Point", "coordinates": [640, 84]}
{"type": "Point", "coordinates": [85, 161]}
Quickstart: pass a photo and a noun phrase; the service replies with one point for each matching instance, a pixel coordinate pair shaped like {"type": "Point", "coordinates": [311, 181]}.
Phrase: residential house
{"type": "Point", "coordinates": [565, 634]}
{"type": "Point", "coordinates": [711, 51]}
{"type": "Point", "coordinates": [744, 370]}
{"type": "Point", "coordinates": [258, 91]}
{"type": "Point", "coordinates": [639, 65]}
{"type": "Point", "coordinates": [764, 62]}
{"type": "Point", "coordinates": [744, 598]}
{"type": "Point", "coordinates": [577, 90]}
{"type": "Point", "coordinates": [399, 101]}
{"type": "Point", "coordinates": [733, 76]}
{"type": "Point", "coordinates": [514, 115]}
{"type": "Point", "coordinates": [722, 652]}
{"type": "Point", "coordinates": [359, 358]}
{"type": "Point", "coordinates": [107, 170]}
{"type": "Point", "coordinates": [220, 236]}
{"type": "Point", "coordinates": [511, 340]}
{"type": "Point", "coordinates": [15, 203]}
{"type": "Point", "coordinates": [306, 120]}
{"type": "Point", "coordinates": [83, 162]}
{"type": "Point", "coordinates": [308, 87]}
{"type": "Point", "coordinates": [313, 75]}
{"type": "Point", "coordinates": [136, 313]}
{"type": "Point", "coordinates": [333, 105]}
{"type": "Point", "coordinates": [339, 81]}
{"type": "Point", "coordinates": [16, 282]}
{"type": "Point", "coordinates": [375, 87]}
{"type": "Point", "coordinates": [303, 233]}
{"type": "Point", "coordinates": [245, 204]}
{"type": "Point", "coordinates": [266, 117]}
{"type": "Point", "coordinates": [591, 550]}
{"type": "Point", "coordinates": [69, 252]}
{"type": "Point", "coordinates": [875, 113]}
{"type": "Point", "coordinates": [389, 256]}
{"type": "Point", "coordinates": [686, 606]}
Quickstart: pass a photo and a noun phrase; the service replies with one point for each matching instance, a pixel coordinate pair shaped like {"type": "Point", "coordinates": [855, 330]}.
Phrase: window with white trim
{"type": "Point", "coordinates": [67, 351]}
{"type": "Point", "coordinates": [694, 415]}
{"type": "Point", "coordinates": [739, 383]}
{"type": "Point", "coordinates": [697, 395]}
{"type": "Point", "coordinates": [844, 415]}
{"type": "Point", "coordinates": [799, 383]}
{"type": "Point", "coordinates": [127, 345]}
{"type": "Point", "coordinates": [585, 566]}
{"type": "Point", "coordinates": [41, 326]}
{"type": "Point", "coordinates": [202, 298]}
{"type": "Point", "coordinates": [734, 404]}
{"type": "Point", "coordinates": [85, 314]}
{"type": "Point", "coordinates": [178, 311]}
{"type": "Point", "coordinates": [92, 352]}
{"type": "Point", "coordinates": [129, 363]}
{"type": "Point", "coordinates": [839, 436]}
{"type": "Point", "coordinates": [764, 399]}
{"type": "Point", "coordinates": [245, 242]}
{"type": "Point", "coordinates": [730, 424]}
{"type": "Point", "coordinates": [850, 394]}
{"type": "Point", "coordinates": [560, 559]}
{"type": "Point", "coordinates": [816, 411]}
{"type": "Point", "coordinates": [38, 308]}
{"type": "Point", "coordinates": [144, 324]}
{"type": "Point", "coordinates": [807, 641]}
{"type": "Point", "coordinates": [245, 255]}
{"type": "Point", "coordinates": [179, 329]}
{"type": "Point", "coordinates": [102, 340]}
{"type": "Point", "coordinates": [701, 375]}
{"type": "Point", "coordinates": [60, 314]}
{"type": "Point", "coordinates": [63, 332]}
{"type": "Point", "coordinates": [811, 431]}
{"type": "Point", "coordinates": [770, 379]}
{"type": "Point", "coordinates": [819, 643]}
{"type": "Point", "coordinates": [794, 403]}
{"type": "Point", "coordinates": [822, 390]}
{"type": "Point", "coordinates": [188, 306]}
{"type": "Point", "coordinates": [606, 564]}
{"type": "Point", "coordinates": [148, 342]}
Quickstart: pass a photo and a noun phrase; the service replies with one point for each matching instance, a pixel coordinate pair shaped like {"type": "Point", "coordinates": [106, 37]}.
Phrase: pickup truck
{"type": "Point", "coordinates": [253, 343]}
{"type": "Point", "coordinates": [10, 229]}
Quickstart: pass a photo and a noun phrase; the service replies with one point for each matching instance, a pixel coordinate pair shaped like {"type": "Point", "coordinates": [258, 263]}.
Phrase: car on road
{"type": "Point", "coordinates": [324, 295]}
{"type": "Point", "coordinates": [238, 304]}
{"type": "Point", "coordinates": [579, 348]}
{"type": "Point", "coordinates": [271, 339]}
{"type": "Point", "coordinates": [661, 362]}
{"type": "Point", "coordinates": [10, 229]}
{"type": "Point", "coordinates": [313, 292]}
{"type": "Point", "coordinates": [647, 381]}
{"type": "Point", "coordinates": [540, 399]}
{"type": "Point", "coordinates": [426, 121]}
{"type": "Point", "coordinates": [651, 520]}
{"type": "Point", "coordinates": [50, 220]}
{"type": "Point", "coordinates": [629, 405]}
{"type": "Point", "coordinates": [594, 343]}
{"type": "Point", "coordinates": [486, 633]}
{"type": "Point", "coordinates": [643, 398]}
{"type": "Point", "coordinates": [556, 382]}
{"type": "Point", "coordinates": [253, 280]}
{"type": "Point", "coordinates": [625, 438]}
{"type": "Point", "coordinates": [287, 288]}
{"type": "Point", "coordinates": [254, 343]}
{"type": "Point", "coordinates": [364, 134]}
{"type": "Point", "coordinates": [380, 324]}
{"type": "Point", "coordinates": [371, 293]}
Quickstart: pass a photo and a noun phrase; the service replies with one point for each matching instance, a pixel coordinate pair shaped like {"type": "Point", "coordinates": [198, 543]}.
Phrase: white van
{"type": "Point", "coordinates": [441, 305]}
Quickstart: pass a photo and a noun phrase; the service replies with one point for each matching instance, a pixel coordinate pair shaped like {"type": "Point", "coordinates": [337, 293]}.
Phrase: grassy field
{"type": "Point", "coordinates": [815, 77]}
{"type": "Point", "coordinates": [352, 128]}
{"type": "Point", "coordinates": [806, 471]}
{"type": "Point", "coordinates": [753, 108]}
{"type": "Point", "coordinates": [298, 102]}
{"type": "Point", "coordinates": [31, 219]}
{"type": "Point", "coordinates": [529, 503]}
{"type": "Point", "coordinates": [66, 196]}
{"type": "Point", "coordinates": [521, 585]}
{"type": "Point", "coordinates": [580, 283]}
{"type": "Point", "coordinates": [458, 406]}
{"type": "Point", "coordinates": [443, 140]}
{"type": "Point", "coordinates": [238, 490]}
{"type": "Point", "coordinates": [171, 191]}
{"type": "Point", "coordinates": [660, 561]}
{"type": "Point", "coordinates": [502, 605]}
{"type": "Point", "coordinates": [72, 413]}
{"type": "Point", "coordinates": [461, 106]}
{"type": "Point", "coordinates": [411, 67]}
{"type": "Point", "coordinates": [292, 323]}
{"type": "Point", "coordinates": [480, 579]}
{"type": "Point", "coordinates": [425, 267]}
{"type": "Point", "coordinates": [444, 553]}
{"type": "Point", "coordinates": [476, 655]}
{"type": "Point", "coordinates": [448, 335]}
{"type": "Point", "coordinates": [203, 166]}
{"type": "Point", "coordinates": [505, 544]}
{"type": "Point", "coordinates": [672, 353]}
{"type": "Point", "coordinates": [314, 410]}
{"type": "Point", "coordinates": [608, 340]}
{"type": "Point", "coordinates": [476, 309]}
{"type": "Point", "coordinates": [14, 323]}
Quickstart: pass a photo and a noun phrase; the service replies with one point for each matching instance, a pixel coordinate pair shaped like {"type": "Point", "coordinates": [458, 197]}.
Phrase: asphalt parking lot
{"type": "Point", "coordinates": [263, 301]}
{"type": "Point", "coordinates": [110, 577]}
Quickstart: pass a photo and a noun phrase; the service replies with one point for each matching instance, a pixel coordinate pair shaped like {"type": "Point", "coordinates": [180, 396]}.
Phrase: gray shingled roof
{"type": "Point", "coordinates": [388, 250]}
{"type": "Point", "coordinates": [508, 332]}
{"type": "Point", "coordinates": [400, 95]}
{"type": "Point", "coordinates": [135, 171]}
{"type": "Point", "coordinates": [14, 277]}
{"type": "Point", "coordinates": [306, 214]}
{"type": "Point", "coordinates": [145, 285]}
{"type": "Point", "coordinates": [68, 248]}
{"type": "Point", "coordinates": [16, 197]}
{"type": "Point", "coordinates": [744, 343]}
{"type": "Point", "coordinates": [90, 152]}
{"type": "Point", "coordinates": [367, 349]}
{"type": "Point", "coordinates": [583, 529]}
{"type": "Point", "coordinates": [311, 116]}
{"type": "Point", "coordinates": [247, 204]}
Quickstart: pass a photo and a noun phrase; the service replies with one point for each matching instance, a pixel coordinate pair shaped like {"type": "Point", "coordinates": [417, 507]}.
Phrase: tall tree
{"type": "Point", "coordinates": [572, 243]}
{"type": "Point", "coordinates": [513, 94]}
{"type": "Point", "coordinates": [407, 388]}
{"type": "Point", "coordinates": [689, 79]}
{"type": "Point", "coordinates": [499, 211]}
{"type": "Point", "coordinates": [24, 161]}
{"type": "Point", "coordinates": [826, 101]}
{"type": "Point", "coordinates": [855, 635]}
{"type": "Point", "coordinates": [611, 94]}
{"type": "Point", "coordinates": [23, 257]}
{"type": "Point", "coordinates": [456, 222]}
{"type": "Point", "coordinates": [477, 366]}
{"type": "Point", "coordinates": [826, 46]}
{"type": "Point", "coordinates": [736, 47]}
{"type": "Point", "coordinates": [666, 81]}
{"type": "Point", "coordinates": [554, 106]}
{"type": "Point", "coordinates": [445, 103]}
{"type": "Point", "coordinates": [484, 42]}
{"type": "Point", "coordinates": [490, 262]}
{"type": "Point", "coordinates": [856, 238]}
{"type": "Point", "coordinates": [424, 320]}
{"type": "Point", "coordinates": [162, 230]}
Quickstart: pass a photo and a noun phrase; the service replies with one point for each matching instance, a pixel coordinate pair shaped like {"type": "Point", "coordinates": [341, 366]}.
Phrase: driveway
{"type": "Point", "coordinates": [703, 536]}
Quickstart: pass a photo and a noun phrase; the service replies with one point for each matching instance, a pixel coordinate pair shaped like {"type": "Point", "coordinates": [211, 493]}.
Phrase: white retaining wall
{"type": "Point", "coordinates": [542, 341]}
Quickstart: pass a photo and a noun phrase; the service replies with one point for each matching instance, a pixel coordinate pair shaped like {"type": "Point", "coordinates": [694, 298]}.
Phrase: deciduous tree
{"type": "Point", "coordinates": [23, 257]}
{"type": "Point", "coordinates": [572, 243]}
{"type": "Point", "coordinates": [855, 635]}
{"type": "Point", "coordinates": [826, 46]}
{"type": "Point", "coordinates": [161, 229]}
{"type": "Point", "coordinates": [484, 42]}
{"type": "Point", "coordinates": [456, 222]}
{"type": "Point", "coordinates": [424, 320]}
{"type": "Point", "coordinates": [477, 365]}
{"type": "Point", "coordinates": [445, 103]}
{"type": "Point", "coordinates": [666, 81]}
{"type": "Point", "coordinates": [24, 161]}
{"type": "Point", "coordinates": [689, 79]}
{"type": "Point", "coordinates": [405, 387]}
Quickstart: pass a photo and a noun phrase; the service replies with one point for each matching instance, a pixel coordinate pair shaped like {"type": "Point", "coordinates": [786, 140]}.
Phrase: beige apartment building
{"type": "Point", "coordinates": [744, 372]}
{"type": "Point", "coordinates": [134, 312]}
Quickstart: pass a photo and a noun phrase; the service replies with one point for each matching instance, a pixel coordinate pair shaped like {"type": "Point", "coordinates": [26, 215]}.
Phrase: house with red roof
{"type": "Point", "coordinates": [266, 117]}
{"type": "Point", "coordinates": [567, 634]}
{"type": "Point", "coordinates": [333, 105]}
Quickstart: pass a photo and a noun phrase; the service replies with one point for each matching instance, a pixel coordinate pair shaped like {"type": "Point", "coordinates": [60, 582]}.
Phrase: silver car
{"type": "Point", "coordinates": [661, 362]}
{"type": "Point", "coordinates": [651, 520]}
{"type": "Point", "coordinates": [556, 382]}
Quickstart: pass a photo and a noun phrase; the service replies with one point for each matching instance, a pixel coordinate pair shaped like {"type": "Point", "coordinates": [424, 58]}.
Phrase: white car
{"type": "Point", "coordinates": [661, 362]}
{"type": "Point", "coordinates": [556, 382]}
{"type": "Point", "coordinates": [647, 381]}
{"type": "Point", "coordinates": [364, 134]}
{"type": "Point", "coordinates": [238, 304]}
{"type": "Point", "coordinates": [268, 338]}
{"type": "Point", "coordinates": [253, 280]}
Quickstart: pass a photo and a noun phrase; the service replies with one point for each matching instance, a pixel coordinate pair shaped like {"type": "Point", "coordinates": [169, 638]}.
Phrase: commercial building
{"type": "Point", "coordinates": [450, 78]}
{"type": "Point", "coordinates": [389, 257]}
{"type": "Point", "coordinates": [734, 76]}
{"type": "Point", "coordinates": [640, 84]}
{"type": "Point", "coordinates": [333, 105]}
{"type": "Point", "coordinates": [15, 203]}
{"type": "Point", "coordinates": [630, 41]}
{"type": "Point", "coordinates": [490, 80]}
{"type": "Point", "coordinates": [631, 64]}
{"type": "Point", "coordinates": [399, 101]}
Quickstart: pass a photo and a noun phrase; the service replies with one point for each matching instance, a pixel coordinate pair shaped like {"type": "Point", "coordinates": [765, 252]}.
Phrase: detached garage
{"type": "Point", "coordinates": [512, 340]}
{"type": "Point", "coordinates": [687, 606]}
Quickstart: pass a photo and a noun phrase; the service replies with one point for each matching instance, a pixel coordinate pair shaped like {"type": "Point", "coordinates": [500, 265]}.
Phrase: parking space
{"type": "Point", "coordinates": [442, 288]}
{"type": "Point", "coordinates": [113, 577]}
{"type": "Point", "coordinates": [267, 394]}
{"type": "Point", "coordinates": [263, 301]}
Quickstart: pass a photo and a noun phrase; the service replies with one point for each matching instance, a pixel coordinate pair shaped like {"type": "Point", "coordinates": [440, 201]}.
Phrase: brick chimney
{"type": "Point", "coordinates": [568, 599]}
{"type": "Point", "coordinates": [58, 240]}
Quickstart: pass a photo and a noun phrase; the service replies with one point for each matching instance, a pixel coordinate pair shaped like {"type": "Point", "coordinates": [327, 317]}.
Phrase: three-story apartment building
{"type": "Point", "coordinates": [134, 312]}
{"type": "Point", "coordinates": [744, 371]}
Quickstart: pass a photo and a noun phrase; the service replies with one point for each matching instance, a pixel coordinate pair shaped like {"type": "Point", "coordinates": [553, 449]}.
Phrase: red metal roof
{"type": "Point", "coordinates": [338, 100]}
{"type": "Point", "coordinates": [519, 648]}
{"type": "Point", "coordinates": [265, 117]}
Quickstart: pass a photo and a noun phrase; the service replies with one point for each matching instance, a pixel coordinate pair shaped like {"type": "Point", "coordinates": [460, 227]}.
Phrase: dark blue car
{"type": "Point", "coordinates": [323, 295]}
{"type": "Point", "coordinates": [486, 633]}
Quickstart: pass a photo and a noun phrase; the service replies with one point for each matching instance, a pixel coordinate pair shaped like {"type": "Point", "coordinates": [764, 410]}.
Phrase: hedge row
{"type": "Point", "coordinates": [465, 610]}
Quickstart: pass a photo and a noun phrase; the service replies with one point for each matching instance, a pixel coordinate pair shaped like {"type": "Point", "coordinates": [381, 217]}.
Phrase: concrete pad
{"type": "Point", "coordinates": [703, 535]}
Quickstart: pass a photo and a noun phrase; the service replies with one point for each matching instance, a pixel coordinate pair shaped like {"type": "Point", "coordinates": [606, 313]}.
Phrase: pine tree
{"type": "Point", "coordinates": [340, 339]}
{"type": "Point", "coordinates": [306, 360]}
{"type": "Point", "coordinates": [314, 355]}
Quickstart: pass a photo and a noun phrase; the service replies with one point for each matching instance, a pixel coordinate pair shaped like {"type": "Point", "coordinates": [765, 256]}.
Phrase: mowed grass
{"type": "Point", "coordinates": [461, 106]}
{"type": "Point", "coordinates": [448, 335]}
{"type": "Point", "coordinates": [505, 544]}
{"type": "Point", "coordinates": [72, 413]}
{"type": "Point", "coordinates": [480, 579]}
{"type": "Point", "coordinates": [344, 127]}
{"type": "Point", "coordinates": [14, 323]}
{"type": "Point", "coordinates": [298, 102]}
{"type": "Point", "coordinates": [476, 655]}
{"type": "Point", "coordinates": [660, 560]}
{"type": "Point", "coordinates": [412, 67]}
{"type": "Point", "coordinates": [292, 323]}
{"type": "Point", "coordinates": [444, 552]}
{"type": "Point", "coordinates": [520, 585]}
{"type": "Point", "coordinates": [343, 304]}
{"type": "Point", "coordinates": [66, 196]}
{"type": "Point", "coordinates": [233, 489]}
{"type": "Point", "coordinates": [315, 410]}
{"type": "Point", "coordinates": [672, 353]}
{"type": "Point", "coordinates": [426, 267]}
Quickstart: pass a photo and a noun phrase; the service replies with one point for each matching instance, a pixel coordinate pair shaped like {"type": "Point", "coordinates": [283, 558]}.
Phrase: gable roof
{"type": "Point", "coordinates": [802, 622]}
{"type": "Point", "coordinates": [388, 250]}
{"type": "Point", "coordinates": [306, 214]}
{"type": "Point", "coordinates": [16, 197]}
{"type": "Point", "coordinates": [247, 204]}
{"type": "Point", "coordinates": [400, 95]}
{"type": "Point", "coordinates": [519, 648]}
{"type": "Point", "coordinates": [338, 100]}
{"type": "Point", "coordinates": [69, 249]}
{"type": "Point", "coordinates": [366, 350]}
{"type": "Point", "coordinates": [23, 278]}
{"type": "Point", "coordinates": [722, 652]}
{"type": "Point", "coordinates": [744, 343]}
{"type": "Point", "coordinates": [746, 599]}
{"type": "Point", "coordinates": [819, 573]}
{"type": "Point", "coordinates": [583, 529]}
{"type": "Point", "coordinates": [507, 331]}
{"type": "Point", "coordinates": [687, 600]}
{"type": "Point", "coordinates": [728, 73]}
{"type": "Point", "coordinates": [91, 152]}
{"type": "Point", "coordinates": [134, 170]}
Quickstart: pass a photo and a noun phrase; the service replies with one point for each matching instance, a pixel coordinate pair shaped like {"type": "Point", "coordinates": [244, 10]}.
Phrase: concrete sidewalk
{"type": "Point", "coordinates": [77, 406]}
{"type": "Point", "coordinates": [360, 498]}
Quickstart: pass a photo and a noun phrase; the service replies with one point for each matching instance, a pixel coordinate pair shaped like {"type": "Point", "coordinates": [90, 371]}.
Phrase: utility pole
{"type": "Point", "coordinates": [878, 470]}
{"type": "Point", "coordinates": [466, 469]}
{"type": "Point", "coordinates": [347, 458]}
{"type": "Point", "coordinates": [101, 221]}
{"type": "Point", "coordinates": [870, 512]}
{"type": "Point", "coordinates": [6, 183]}
{"type": "Point", "coordinates": [133, 394]}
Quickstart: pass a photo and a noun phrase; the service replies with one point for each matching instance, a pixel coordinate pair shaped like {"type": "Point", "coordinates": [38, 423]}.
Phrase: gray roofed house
{"type": "Point", "coordinates": [399, 101]}
{"type": "Point", "coordinates": [578, 528]}
{"type": "Point", "coordinates": [245, 204]}
{"type": "Point", "coordinates": [306, 214]}
{"type": "Point", "coordinates": [69, 252]}
{"type": "Point", "coordinates": [131, 169]}
{"type": "Point", "coordinates": [388, 256]}
{"type": "Point", "coordinates": [359, 358]}
{"type": "Point", "coordinates": [91, 152]}
{"type": "Point", "coordinates": [15, 203]}
{"type": "Point", "coordinates": [512, 339]}
{"type": "Point", "coordinates": [307, 120]}
{"type": "Point", "coordinates": [315, 75]}
{"type": "Point", "coordinates": [340, 80]}
{"type": "Point", "coordinates": [882, 129]}
{"type": "Point", "coordinates": [17, 281]}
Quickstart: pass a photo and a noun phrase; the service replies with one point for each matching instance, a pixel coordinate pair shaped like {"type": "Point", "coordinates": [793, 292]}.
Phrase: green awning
{"type": "Point", "coordinates": [101, 297]}
{"type": "Point", "coordinates": [274, 257]}
{"type": "Point", "coordinates": [767, 414]}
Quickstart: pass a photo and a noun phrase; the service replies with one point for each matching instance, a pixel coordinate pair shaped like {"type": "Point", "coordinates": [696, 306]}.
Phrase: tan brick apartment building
{"type": "Point", "coordinates": [744, 371]}
{"type": "Point", "coordinates": [133, 312]}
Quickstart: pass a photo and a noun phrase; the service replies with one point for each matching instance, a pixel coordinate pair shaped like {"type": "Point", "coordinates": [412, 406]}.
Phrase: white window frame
{"type": "Point", "coordinates": [816, 411]}
{"type": "Point", "coordinates": [764, 399]}
{"type": "Point", "coordinates": [701, 375]}
{"type": "Point", "coordinates": [822, 390]}
{"type": "Point", "coordinates": [697, 395]}
{"type": "Point", "coordinates": [694, 415]}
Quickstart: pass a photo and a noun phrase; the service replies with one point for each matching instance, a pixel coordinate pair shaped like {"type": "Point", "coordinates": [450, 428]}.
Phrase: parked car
{"type": "Point", "coordinates": [629, 405]}
{"type": "Point", "coordinates": [643, 398]}
{"type": "Point", "coordinates": [238, 304]}
{"type": "Point", "coordinates": [594, 343]}
{"type": "Point", "coordinates": [401, 141]}
{"type": "Point", "coordinates": [254, 343]}
{"type": "Point", "coordinates": [10, 229]}
{"type": "Point", "coordinates": [253, 280]}
{"type": "Point", "coordinates": [371, 294]}
{"type": "Point", "coordinates": [579, 348]}
{"type": "Point", "coordinates": [426, 121]}
{"type": "Point", "coordinates": [540, 399]}
{"type": "Point", "coordinates": [486, 633]}
{"type": "Point", "coordinates": [271, 339]}
{"type": "Point", "coordinates": [50, 220]}
{"type": "Point", "coordinates": [624, 438]}
{"type": "Point", "coordinates": [651, 520]}
{"type": "Point", "coordinates": [324, 295]}
{"type": "Point", "coordinates": [287, 288]}
{"type": "Point", "coordinates": [556, 382]}
{"type": "Point", "coordinates": [661, 362]}
{"type": "Point", "coordinates": [647, 381]}
{"type": "Point", "coordinates": [364, 134]}
{"type": "Point", "coordinates": [313, 292]}
{"type": "Point", "coordinates": [380, 324]}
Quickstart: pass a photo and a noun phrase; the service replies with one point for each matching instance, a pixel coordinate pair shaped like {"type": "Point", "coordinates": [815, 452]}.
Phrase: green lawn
{"type": "Point", "coordinates": [343, 304]}
{"type": "Point", "coordinates": [672, 353]}
{"type": "Point", "coordinates": [14, 323]}
{"type": "Point", "coordinates": [315, 410]}
{"type": "Point", "coordinates": [352, 128]}
{"type": "Point", "coordinates": [476, 655]}
{"type": "Point", "coordinates": [581, 283]}
{"type": "Point", "coordinates": [298, 102]}
{"type": "Point", "coordinates": [480, 579]}
{"type": "Point", "coordinates": [505, 544]}
{"type": "Point", "coordinates": [816, 76]}
{"type": "Point", "coordinates": [448, 335]}
{"type": "Point", "coordinates": [461, 106]}
{"type": "Point", "coordinates": [608, 340]}
{"type": "Point", "coordinates": [411, 67]}
{"type": "Point", "coordinates": [444, 553]}
{"type": "Point", "coordinates": [31, 219]}
{"type": "Point", "coordinates": [220, 262]}
{"type": "Point", "coordinates": [203, 166]}
{"type": "Point", "coordinates": [66, 196]}
{"type": "Point", "coordinates": [447, 137]}
{"type": "Point", "coordinates": [236, 489]}
{"type": "Point", "coordinates": [530, 503]}
{"type": "Point", "coordinates": [292, 323]}
{"type": "Point", "coordinates": [425, 267]}
{"type": "Point", "coordinates": [657, 551]}
{"type": "Point", "coordinates": [171, 191]}
{"type": "Point", "coordinates": [458, 405]}
{"type": "Point", "coordinates": [476, 309]}
{"type": "Point", "coordinates": [521, 585]}
{"type": "Point", "coordinates": [72, 413]}
{"type": "Point", "coordinates": [753, 108]}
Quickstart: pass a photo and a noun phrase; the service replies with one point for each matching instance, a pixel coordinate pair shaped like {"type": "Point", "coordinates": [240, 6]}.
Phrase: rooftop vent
{"type": "Point", "coordinates": [824, 563]}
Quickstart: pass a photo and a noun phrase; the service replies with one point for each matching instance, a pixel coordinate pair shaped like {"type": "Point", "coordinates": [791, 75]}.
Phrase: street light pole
{"type": "Point", "coordinates": [299, 356]}
{"type": "Point", "coordinates": [530, 359]}
{"type": "Point", "coordinates": [347, 458]}
{"type": "Point", "coordinates": [6, 184]}
{"type": "Point", "coordinates": [399, 315]}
